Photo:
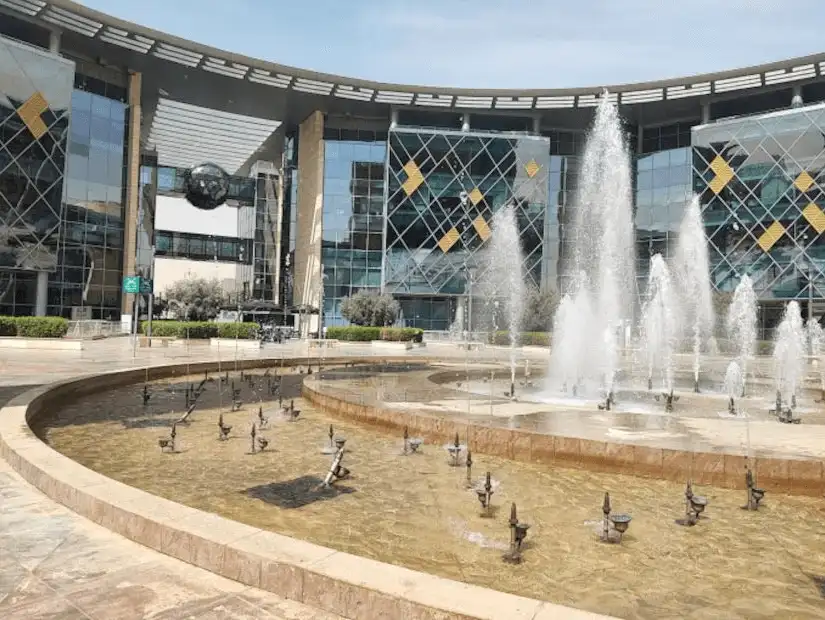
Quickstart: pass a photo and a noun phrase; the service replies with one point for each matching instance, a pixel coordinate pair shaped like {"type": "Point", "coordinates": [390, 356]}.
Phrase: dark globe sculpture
{"type": "Point", "coordinates": [206, 186]}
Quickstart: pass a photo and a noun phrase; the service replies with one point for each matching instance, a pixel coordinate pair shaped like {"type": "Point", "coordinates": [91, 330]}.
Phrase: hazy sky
{"type": "Point", "coordinates": [495, 44]}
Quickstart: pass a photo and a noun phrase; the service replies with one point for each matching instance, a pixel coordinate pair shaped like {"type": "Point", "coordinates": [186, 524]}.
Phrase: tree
{"type": "Point", "coordinates": [370, 309]}
{"type": "Point", "coordinates": [539, 309]}
{"type": "Point", "coordinates": [195, 299]}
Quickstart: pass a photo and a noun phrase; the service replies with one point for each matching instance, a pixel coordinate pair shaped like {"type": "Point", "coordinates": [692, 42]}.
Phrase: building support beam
{"type": "Point", "coordinates": [54, 41]}
{"type": "Point", "coordinates": [132, 206]}
{"type": "Point", "coordinates": [42, 293]}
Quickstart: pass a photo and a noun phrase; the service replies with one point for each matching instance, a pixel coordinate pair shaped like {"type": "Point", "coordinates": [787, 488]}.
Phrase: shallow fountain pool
{"type": "Point", "coordinates": [415, 511]}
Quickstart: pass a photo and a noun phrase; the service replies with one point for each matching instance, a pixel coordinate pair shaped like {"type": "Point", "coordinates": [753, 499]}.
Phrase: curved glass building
{"type": "Point", "coordinates": [340, 184]}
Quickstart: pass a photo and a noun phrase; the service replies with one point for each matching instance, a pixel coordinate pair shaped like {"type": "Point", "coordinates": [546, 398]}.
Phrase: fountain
{"type": "Point", "coordinates": [659, 324]}
{"type": "Point", "coordinates": [755, 495]}
{"type": "Point", "coordinates": [816, 337]}
{"type": "Point", "coordinates": [507, 279]}
{"type": "Point", "coordinates": [741, 325]}
{"type": "Point", "coordinates": [518, 532]}
{"type": "Point", "coordinates": [619, 522]}
{"type": "Point", "coordinates": [454, 450]}
{"type": "Point", "coordinates": [411, 444]}
{"type": "Point", "coordinates": [694, 506]}
{"type": "Point", "coordinates": [733, 385]}
{"type": "Point", "coordinates": [223, 429]}
{"type": "Point", "coordinates": [336, 470]}
{"type": "Point", "coordinates": [570, 347]}
{"type": "Point", "coordinates": [603, 253]}
{"type": "Point", "coordinates": [168, 443]}
{"type": "Point", "coordinates": [789, 361]}
{"type": "Point", "coordinates": [145, 395]}
{"type": "Point", "coordinates": [692, 269]}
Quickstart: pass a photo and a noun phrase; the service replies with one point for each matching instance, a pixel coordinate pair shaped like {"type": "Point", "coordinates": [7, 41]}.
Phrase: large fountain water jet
{"type": "Point", "coordinates": [734, 384]}
{"type": "Point", "coordinates": [692, 269]}
{"type": "Point", "coordinates": [506, 275]}
{"type": "Point", "coordinates": [659, 324]}
{"type": "Point", "coordinates": [789, 353]}
{"type": "Point", "coordinates": [741, 324]}
{"type": "Point", "coordinates": [603, 245]}
{"type": "Point", "coordinates": [570, 348]}
{"type": "Point", "coordinates": [816, 337]}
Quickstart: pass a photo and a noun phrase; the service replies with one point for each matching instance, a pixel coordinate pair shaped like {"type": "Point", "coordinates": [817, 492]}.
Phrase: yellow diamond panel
{"type": "Point", "coordinates": [803, 181]}
{"type": "Point", "coordinates": [475, 196]}
{"type": "Point", "coordinates": [532, 168]}
{"type": "Point", "coordinates": [770, 236]}
{"type": "Point", "coordinates": [30, 113]}
{"type": "Point", "coordinates": [724, 173]}
{"type": "Point", "coordinates": [483, 230]}
{"type": "Point", "coordinates": [815, 217]}
{"type": "Point", "coordinates": [448, 240]}
{"type": "Point", "coordinates": [414, 178]}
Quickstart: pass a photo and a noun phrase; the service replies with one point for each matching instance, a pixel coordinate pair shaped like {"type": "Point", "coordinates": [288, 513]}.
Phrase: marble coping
{"type": "Point", "coordinates": [341, 583]}
{"type": "Point", "coordinates": [788, 476]}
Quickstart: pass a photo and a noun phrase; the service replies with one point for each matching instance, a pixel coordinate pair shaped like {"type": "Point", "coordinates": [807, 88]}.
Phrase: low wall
{"type": "Point", "coordinates": [790, 476]}
{"type": "Point", "coordinates": [50, 344]}
{"type": "Point", "coordinates": [341, 583]}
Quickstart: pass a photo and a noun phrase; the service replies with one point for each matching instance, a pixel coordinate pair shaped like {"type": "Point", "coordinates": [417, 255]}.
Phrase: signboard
{"type": "Point", "coordinates": [136, 284]}
{"type": "Point", "coordinates": [131, 284]}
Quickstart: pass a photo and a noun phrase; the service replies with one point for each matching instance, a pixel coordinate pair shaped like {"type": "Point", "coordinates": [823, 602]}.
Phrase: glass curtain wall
{"type": "Point", "coordinates": [353, 216]}
{"type": "Point", "coordinates": [35, 103]}
{"type": "Point", "coordinates": [445, 189]}
{"type": "Point", "coordinates": [91, 262]}
{"type": "Point", "coordinates": [761, 182]}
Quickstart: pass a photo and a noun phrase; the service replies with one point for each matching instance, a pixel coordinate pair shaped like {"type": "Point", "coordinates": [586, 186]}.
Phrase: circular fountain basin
{"type": "Point", "coordinates": [404, 511]}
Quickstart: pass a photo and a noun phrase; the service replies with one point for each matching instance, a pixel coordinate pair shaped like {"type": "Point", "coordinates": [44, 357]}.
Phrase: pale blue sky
{"type": "Point", "coordinates": [495, 44]}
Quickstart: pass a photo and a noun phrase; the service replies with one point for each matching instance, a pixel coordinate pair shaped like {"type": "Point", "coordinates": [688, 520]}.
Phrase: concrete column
{"type": "Point", "coordinates": [465, 121]}
{"type": "Point", "coordinates": [796, 97]}
{"type": "Point", "coordinates": [309, 218]}
{"type": "Point", "coordinates": [537, 125]}
{"type": "Point", "coordinates": [705, 113]}
{"type": "Point", "coordinates": [640, 134]}
{"type": "Point", "coordinates": [42, 294]}
{"type": "Point", "coordinates": [132, 188]}
{"type": "Point", "coordinates": [393, 118]}
{"type": "Point", "coordinates": [54, 41]}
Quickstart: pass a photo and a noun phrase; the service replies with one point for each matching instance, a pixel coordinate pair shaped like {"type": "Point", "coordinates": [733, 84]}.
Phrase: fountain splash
{"type": "Point", "coordinates": [570, 349]}
{"type": "Point", "coordinates": [659, 323]}
{"type": "Point", "coordinates": [734, 384]}
{"type": "Point", "coordinates": [816, 337]}
{"type": "Point", "coordinates": [506, 274]}
{"type": "Point", "coordinates": [789, 353]}
{"type": "Point", "coordinates": [603, 244]}
{"type": "Point", "coordinates": [692, 267]}
{"type": "Point", "coordinates": [741, 324]}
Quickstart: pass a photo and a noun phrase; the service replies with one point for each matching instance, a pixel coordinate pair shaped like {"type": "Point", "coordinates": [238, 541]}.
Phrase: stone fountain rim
{"type": "Point", "coordinates": [341, 583]}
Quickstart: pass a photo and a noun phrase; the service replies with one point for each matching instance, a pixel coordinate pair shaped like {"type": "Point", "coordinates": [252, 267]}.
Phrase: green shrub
{"type": "Point", "coordinates": [34, 326]}
{"type": "Point", "coordinates": [354, 333]}
{"type": "Point", "coordinates": [7, 326]}
{"type": "Point", "coordinates": [402, 334]}
{"type": "Point", "coordinates": [195, 330]}
{"type": "Point", "coordinates": [241, 331]}
{"type": "Point", "coordinates": [526, 339]}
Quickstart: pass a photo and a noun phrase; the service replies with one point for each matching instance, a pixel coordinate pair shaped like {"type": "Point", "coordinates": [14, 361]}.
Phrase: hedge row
{"type": "Point", "coordinates": [200, 330]}
{"type": "Point", "coordinates": [526, 339]}
{"type": "Point", "coordinates": [353, 333]}
{"type": "Point", "coordinates": [34, 326]}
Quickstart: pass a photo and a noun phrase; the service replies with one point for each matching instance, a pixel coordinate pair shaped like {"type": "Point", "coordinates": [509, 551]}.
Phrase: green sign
{"type": "Point", "coordinates": [146, 286]}
{"type": "Point", "coordinates": [131, 284]}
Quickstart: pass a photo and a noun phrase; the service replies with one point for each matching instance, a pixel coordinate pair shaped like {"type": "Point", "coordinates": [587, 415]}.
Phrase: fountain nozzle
{"type": "Point", "coordinates": [620, 522]}
{"type": "Point", "coordinates": [755, 495]}
{"type": "Point", "coordinates": [518, 532]}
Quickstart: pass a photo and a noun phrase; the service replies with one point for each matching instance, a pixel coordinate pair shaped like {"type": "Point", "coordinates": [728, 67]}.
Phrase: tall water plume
{"type": "Point", "coordinates": [570, 348]}
{"type": "Point", "coordinates": [692, 269]}
{"type": "Point", "coordinates": [789, 352]}
{"type": "Point", "coordinates": [506, 272]}
{"type": "Point", "coordinates": [741, 324]}
{"type": "Point", "coordinates": [602, 232]}
{"type": "Point", "coordinates": [733, 380]}
{"type": "Point", "coordinates": [660, 323]}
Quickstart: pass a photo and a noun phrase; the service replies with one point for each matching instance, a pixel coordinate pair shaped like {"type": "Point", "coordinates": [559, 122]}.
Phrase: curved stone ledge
{"type": "Point", "coordinates": [790, 476]}
{"type": "Point", "coordinates": [341, 583]}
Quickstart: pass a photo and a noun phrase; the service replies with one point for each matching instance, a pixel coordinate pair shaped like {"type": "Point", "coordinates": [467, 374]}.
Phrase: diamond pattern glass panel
{"type": "Point", "coordinates": [436, 233]}
{"type": "Point", "coordinates": [760, 182]}
{"type": "Point", "coordinates": [35, 96]}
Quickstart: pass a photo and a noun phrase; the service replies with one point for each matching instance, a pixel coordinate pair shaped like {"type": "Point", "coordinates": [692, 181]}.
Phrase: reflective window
{"type": "Point", "coordinates": [202, 247]}
{"type": "Point", "coordinates": [353, 220]}
{"type": "Point", "coordinates": [761, 182]}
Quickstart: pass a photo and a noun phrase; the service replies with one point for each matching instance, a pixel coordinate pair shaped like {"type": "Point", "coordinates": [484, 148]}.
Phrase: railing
{"type": "Point", "coordinates": [95, 329]}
